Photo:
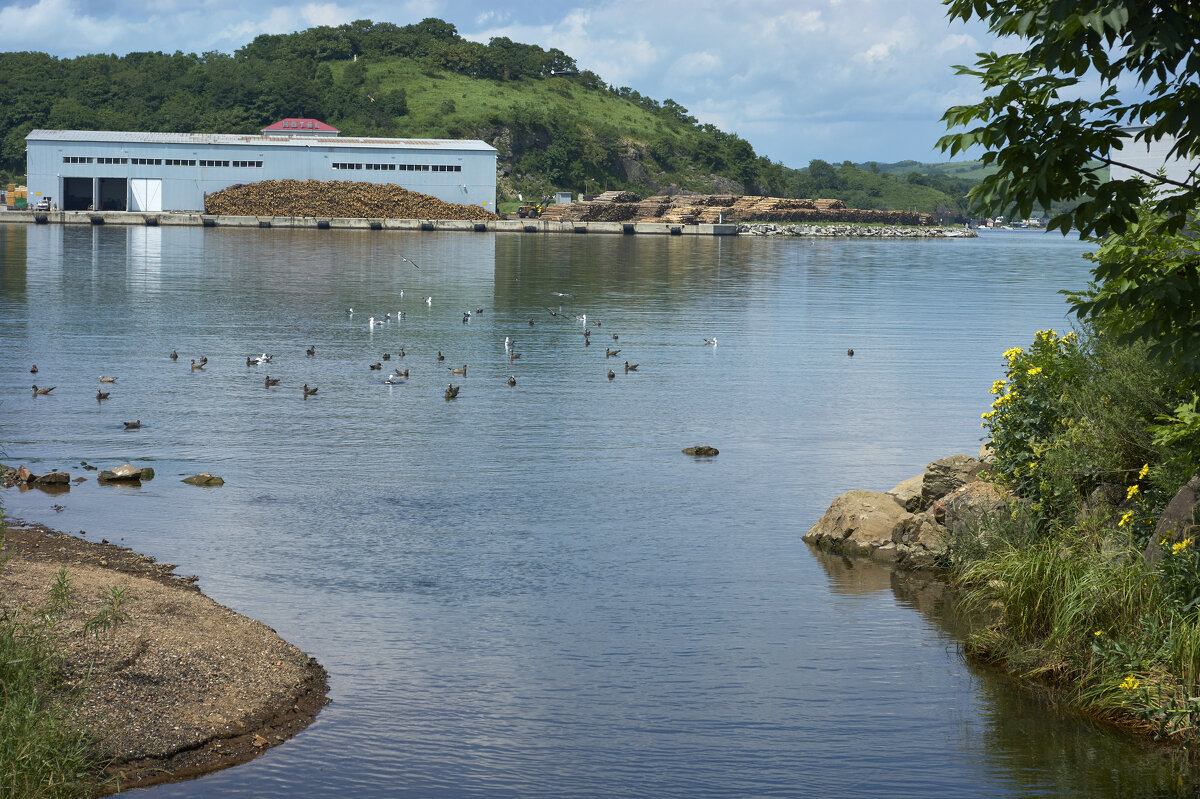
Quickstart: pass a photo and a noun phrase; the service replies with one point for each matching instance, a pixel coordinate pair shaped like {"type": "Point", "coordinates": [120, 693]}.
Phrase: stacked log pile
{"type": "Point", "coordinates": [615, 206]}
{"type": "Point", "coordinates": [337, 198]}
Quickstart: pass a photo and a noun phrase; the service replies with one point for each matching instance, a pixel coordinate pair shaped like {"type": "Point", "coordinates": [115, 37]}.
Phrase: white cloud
{"type": "Point", "coordinates": [799, 79]}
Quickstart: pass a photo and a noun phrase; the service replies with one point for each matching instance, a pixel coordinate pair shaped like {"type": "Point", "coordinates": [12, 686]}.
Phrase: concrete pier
{"type": "Point", "coordinates": [334, 223]}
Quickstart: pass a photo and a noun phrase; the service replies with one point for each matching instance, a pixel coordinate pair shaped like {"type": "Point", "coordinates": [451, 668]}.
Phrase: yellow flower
{"type": "Point", "coordinates": [1132, 492]}
{"type": "Point", "coordinates": [987, 414]}
{"type": "Point", "coordinates": [1012, 353]}
{"type": "Point", "coordinates": [1130, 683]}
{"type": "Point", "coordinates": [997, 387]}
{"type": "Point", "coordinates": [1182, 545]}
{"type": "Point", "coordinates": [1037, 370]}
{"type": "Point", "coordinates": [1145, 471]}
{"type": "Point", "coordinates": [1125, 518]}
{"type": "Point", "coordinates": [1070, 336]}
{"type": "Point", "coordinates": [1098, 632]}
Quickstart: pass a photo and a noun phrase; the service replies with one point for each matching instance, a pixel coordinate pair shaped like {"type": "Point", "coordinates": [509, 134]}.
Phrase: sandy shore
{"type": "Point", "coordinates": [185, 686]}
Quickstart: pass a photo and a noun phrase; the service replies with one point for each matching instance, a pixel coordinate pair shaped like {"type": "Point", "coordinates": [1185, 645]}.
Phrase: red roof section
{"type": "Point", "coordinates": [298, 125]}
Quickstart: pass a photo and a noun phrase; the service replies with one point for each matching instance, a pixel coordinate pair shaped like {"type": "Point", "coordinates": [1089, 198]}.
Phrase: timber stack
{"type": "Point", "coordinates": [336, 198]}
{"type": "Point", "coordinates": [613, 206]}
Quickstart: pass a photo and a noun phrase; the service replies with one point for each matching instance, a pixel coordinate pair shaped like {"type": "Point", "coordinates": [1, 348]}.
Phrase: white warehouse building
{"type": "Point", "coordinates": [81, 170]}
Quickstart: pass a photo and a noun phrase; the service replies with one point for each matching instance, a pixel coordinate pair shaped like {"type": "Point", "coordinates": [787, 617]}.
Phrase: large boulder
{"type": "Point", "coordinates": [53, 478]}
{"type": "Point", "coordinates": [967, 502]}
{"type": "Point", "coordinates": [1179, 520]}
{"type": "Point", "coordinates": [946, 474]}
{"type": "Point", "coordinates": [204, 479]}
{"type": "Point", "coordinates": [858, 522]}
{"type": "Point", "coordinates": [908, 492]}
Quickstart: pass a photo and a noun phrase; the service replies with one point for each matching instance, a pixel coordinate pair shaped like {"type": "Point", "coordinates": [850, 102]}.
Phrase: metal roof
{"type": "Point", "coordinates": [301, 124]}
{"type": "Point", "coordinates": [132, 137]}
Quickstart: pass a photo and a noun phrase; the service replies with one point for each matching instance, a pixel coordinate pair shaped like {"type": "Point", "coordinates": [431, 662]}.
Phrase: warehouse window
{"type": "Point", "coordinates": [107, 160]}
{"type": "Point", "coordinates": [213, 163]}
{"type": "Point", "coordinates": [252, 164]}
{"type": "Point", "coordinates": [381, 167]}
{"type": "Point", "coordinates": [343, 165]}
{"type": "Point", "coordinates": [76, 159]}
{"type": "Point", "coordinates": [146, 161]}
{"type": "Point", "coordinates": [181, 161]}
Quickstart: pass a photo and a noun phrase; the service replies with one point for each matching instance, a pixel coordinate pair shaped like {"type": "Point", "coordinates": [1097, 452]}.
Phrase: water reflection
{"type": "Point", "coordinates": [530, 591]}
{"type": "Point", "coordinates": [1036, 744]}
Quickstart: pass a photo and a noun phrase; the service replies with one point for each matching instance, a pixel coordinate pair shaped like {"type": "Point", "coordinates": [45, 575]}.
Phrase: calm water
{"type": "Point", "coordinates": [530, 591]}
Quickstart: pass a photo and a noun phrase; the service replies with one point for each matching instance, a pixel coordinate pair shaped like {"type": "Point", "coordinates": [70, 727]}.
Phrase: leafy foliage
{"type": "Point", "coordinates": [1148, 289]}
{"type": "Point", "coordinates": [1043, 132]}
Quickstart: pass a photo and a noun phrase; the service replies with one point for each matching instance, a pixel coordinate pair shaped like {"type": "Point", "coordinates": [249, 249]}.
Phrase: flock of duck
{"type": "Point", "coordinates": [397, 376]}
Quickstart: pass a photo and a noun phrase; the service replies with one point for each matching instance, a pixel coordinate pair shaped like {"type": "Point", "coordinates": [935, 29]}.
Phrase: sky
{"type": "Point", "coordinates": [856, 80]}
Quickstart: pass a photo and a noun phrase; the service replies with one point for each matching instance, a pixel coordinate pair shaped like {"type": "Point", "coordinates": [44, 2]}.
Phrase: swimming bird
{"type": "Point", "coordinates": [531, 323]}
{"type": "Point", "coordinates": [308, 392]}
{"type": "Point", "coordinates": [311, 351]}
{"type": "Point", "coordinates": [564, 296]}
{"type": "Point", "coordinates": [551, 311]}
{"type": "Point", "coordinates": [596, 323]}
{"type": "Point", "coordinates": [377, 365]}
{"type": "Point", "coordinates": [203, 360]}
{"type": "Point", "coordinates": [712, 342]}
{"type": "Point", "coordinates": [101, 395]}
{"type": "Point", "coordinates": [270, 381]}
{"type": "Point", "coordinates": [582, 318]}
{"type": "Point", "coordinates": [429, 301]}
{"type": "Point", "coordinates": [440, 356]}
{"type": "Point", "coordinates": [133, 425]}
{"type": "Point", "coordinates": [393, 379]}
{"type": "Point", "coordinates": [466, 317]}
{"type": "Point", "coordinates": [610, 353]}
{"type": "Point", "coordinates": [196, 367]}
{"type": "Point", "coordinates": [614, 336]}
{"type": "Point", "coordinates": [251, 361]}
{"type": "Point", "coordinates": [611, 374]}
{"type": "Point", "coordinates": [850, 353]}
{"type": "Point", "coordinates": [507, 344]}
{"type": "Point", "coordinates": [104, 379]}
{"type": "Point", "coordinates": [462, 371]}
{"type": "Point", "coordinates": [401, 352]}
{"type": "Point", "coordinates": [387, 356]}
{"type": "Point", "coordinates": [452, 391]}
{"type": "Point", "coordinates": [398, 373]}
{"type": "Point", "coordinates": [512, 356]}
{"type": "Point", "coordinates": [401, 292]}
{"type": "Point", "coordinates": [512, 380]}
{"type": "Point", "coordinates": [174, 355]}
{"type": "Point", "coordinates": [631, 367]}
{"type": "Point", "coordinates": [350, 311]}
{"type": "Point", "coordinates": [37, 390]}
{"type": "Point", "coordinates": [33, 369]}
{"type": "Point", "coordinates": [587, 334]}
{"type": "Point", "coordinates": [478, 311]}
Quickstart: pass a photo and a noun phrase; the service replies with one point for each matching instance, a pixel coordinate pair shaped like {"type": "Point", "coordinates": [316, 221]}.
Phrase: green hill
{"type": "Point", "coordinates": [555, 127]}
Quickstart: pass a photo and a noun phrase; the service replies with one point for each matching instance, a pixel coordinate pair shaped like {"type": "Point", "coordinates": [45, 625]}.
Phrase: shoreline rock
{"type": "Point", "coordinates": [907, 524]}
{"type": "Point", "coordinates": [855, 231]}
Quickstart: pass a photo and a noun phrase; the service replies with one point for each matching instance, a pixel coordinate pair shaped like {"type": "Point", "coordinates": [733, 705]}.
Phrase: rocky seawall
{"type": "Point", "coordinates": [856, 231]}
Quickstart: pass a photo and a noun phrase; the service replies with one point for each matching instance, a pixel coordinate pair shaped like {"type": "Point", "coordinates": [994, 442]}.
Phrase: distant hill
{"type": "Point", "coordinates": [555, 127]}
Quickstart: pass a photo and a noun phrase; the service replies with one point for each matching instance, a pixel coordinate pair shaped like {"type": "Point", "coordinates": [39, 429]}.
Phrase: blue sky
{"type": "Point", "coordinates": [838, 80]}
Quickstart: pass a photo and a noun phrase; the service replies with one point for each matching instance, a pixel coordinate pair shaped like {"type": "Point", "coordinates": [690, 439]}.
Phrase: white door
{"type": "Point", "coordinates": [145, 194]}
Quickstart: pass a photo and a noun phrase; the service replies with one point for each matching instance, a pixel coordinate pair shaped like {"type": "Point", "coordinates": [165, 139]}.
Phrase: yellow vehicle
{"type": "Point", "coordinates": [534, 209]}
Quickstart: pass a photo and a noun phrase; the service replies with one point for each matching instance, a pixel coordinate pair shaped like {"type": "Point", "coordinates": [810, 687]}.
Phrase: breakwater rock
{"type": "Point", "coordinates": [856, 231]}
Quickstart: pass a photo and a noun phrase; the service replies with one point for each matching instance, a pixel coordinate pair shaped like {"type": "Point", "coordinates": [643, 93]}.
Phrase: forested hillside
{"type": "Point", "coordinates": [554, 126]}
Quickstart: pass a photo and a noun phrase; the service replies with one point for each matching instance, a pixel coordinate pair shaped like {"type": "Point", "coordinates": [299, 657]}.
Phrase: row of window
{"type": "Point", "coordinates": [401, 167]}
{"type": "Point", "coordinates": [79, 159]}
